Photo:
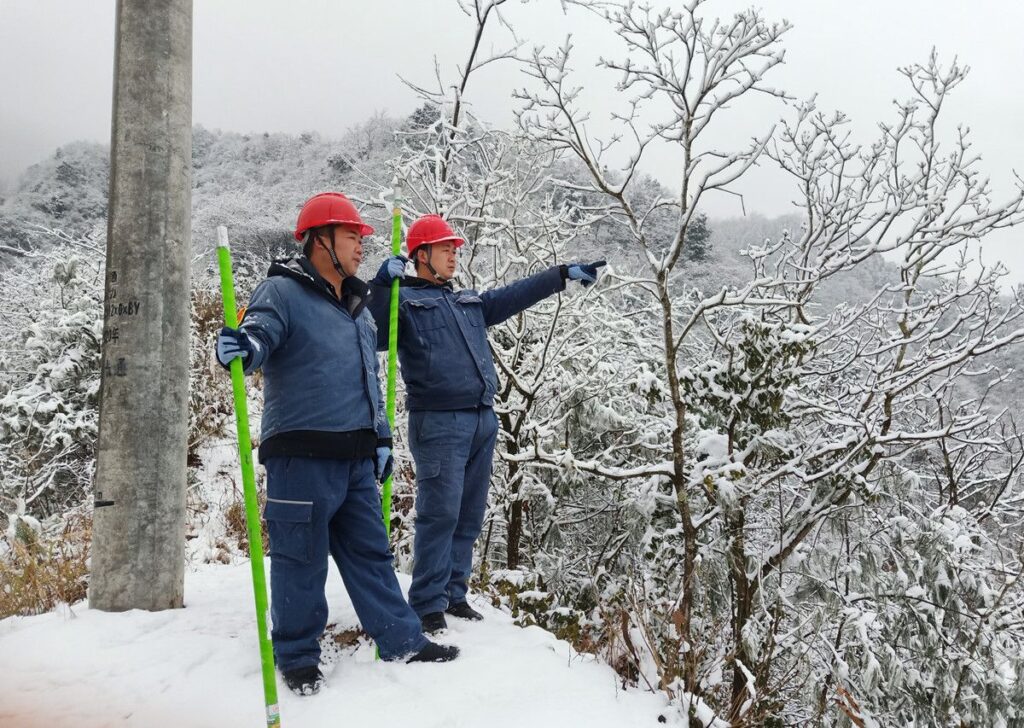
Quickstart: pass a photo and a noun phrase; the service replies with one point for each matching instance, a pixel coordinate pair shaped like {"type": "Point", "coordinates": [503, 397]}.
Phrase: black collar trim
{"type": "Point", "coordinates": [354, 291]}
{"type": "Point", "coordinates": [416, 282]}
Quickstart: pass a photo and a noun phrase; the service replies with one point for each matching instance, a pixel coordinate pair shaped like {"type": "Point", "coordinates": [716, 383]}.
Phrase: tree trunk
{"type": "Point", "coordinates": [515, 516]}
{"type": "Point", "coordinates": [684, 615]}
{"type": "Point", "coordinates": [743, 594]}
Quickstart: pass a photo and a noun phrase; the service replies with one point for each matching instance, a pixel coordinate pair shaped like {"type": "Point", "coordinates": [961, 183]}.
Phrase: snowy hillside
{"type": "Point", "coordinates": [199, 666]}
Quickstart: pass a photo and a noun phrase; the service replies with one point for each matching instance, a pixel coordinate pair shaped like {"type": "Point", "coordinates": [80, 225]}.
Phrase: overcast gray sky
{"type": "Point", "coordinates": [267, 65]}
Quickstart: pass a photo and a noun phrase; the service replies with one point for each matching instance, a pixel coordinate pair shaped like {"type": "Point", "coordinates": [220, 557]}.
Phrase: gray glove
{"type": "Point", "coordinates": [392, 268]}
{"type": "Point", "coordinates": [585, 273]}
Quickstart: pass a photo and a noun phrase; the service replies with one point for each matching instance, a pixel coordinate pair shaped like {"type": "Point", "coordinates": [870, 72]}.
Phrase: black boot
{"type": "Point", "coordinates": [304, 680]}
{"type": "Point", "coordinates": [434, 652]}
{"type": "Point", "coordinates": [462, 610]}
{"type": "Point", "coordinates": [433, 622]}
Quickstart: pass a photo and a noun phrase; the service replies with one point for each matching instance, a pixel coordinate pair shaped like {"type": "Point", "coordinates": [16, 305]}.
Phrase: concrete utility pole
{"type": "Point", "coordinates": [139, 522]}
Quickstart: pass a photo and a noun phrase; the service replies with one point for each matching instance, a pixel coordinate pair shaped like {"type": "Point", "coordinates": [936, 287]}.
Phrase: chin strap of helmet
{"type": "Point", "coordinates": [334, 256]}
{"type": "Point", "coordinates": [430, 267]}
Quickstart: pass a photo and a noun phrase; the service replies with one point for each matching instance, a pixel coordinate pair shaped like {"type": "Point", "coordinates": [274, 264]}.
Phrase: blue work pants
{"type": "Point", "coordinates": [453, 450]}
{"type": "Point", "coordinates": [317, 507]}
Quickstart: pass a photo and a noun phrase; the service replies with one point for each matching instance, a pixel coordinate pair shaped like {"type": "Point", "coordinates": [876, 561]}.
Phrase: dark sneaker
{"type": "Point", "coordinates": [304, 680]}
{"type": "Point", "coordinates": [434, 652]}
{"type": "Point", "coordinates": [462, 610]}
{"type": "Point", "coordinates": [433, 622]}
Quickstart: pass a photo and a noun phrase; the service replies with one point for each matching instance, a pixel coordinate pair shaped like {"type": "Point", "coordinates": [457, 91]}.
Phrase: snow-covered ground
{"type": "Point", "coordinates": [199, 666]}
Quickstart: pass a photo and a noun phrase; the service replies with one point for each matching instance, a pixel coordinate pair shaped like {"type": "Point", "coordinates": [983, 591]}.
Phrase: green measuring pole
{"type": "Point", "coordinates": [396, 249]}
{"type": "Point", "coordinates": [252, 509]}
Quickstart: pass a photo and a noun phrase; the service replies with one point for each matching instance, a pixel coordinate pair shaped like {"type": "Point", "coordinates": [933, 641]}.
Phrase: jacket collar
{"type": "Point", "coordinates": [416, 282]}
{"type": "Point", "coordinates": [354, 292]}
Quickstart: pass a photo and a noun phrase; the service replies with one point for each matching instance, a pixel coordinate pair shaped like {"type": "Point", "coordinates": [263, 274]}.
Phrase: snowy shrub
{"type": "Point", "coordinates": [926, 634]}
{"type": "Point", "coordinates": [236, 526]}
{"type": "Point", "coordinates": [211, 403]}
{"type": "Point", "coordinates": [42, 568]}
{"type": "Point", "coordinates": [48, 419]}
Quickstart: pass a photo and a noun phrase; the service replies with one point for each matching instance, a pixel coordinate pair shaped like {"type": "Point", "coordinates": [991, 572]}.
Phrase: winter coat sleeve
{"type": "Point", "coordinates": [505, 302]}
{"type": "Point", "coordinates": [265, 323]}
{"type": "Point", "coordinates": [380, 308]}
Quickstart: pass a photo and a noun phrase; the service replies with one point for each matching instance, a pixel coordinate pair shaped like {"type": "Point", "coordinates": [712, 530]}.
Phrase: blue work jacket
{"type": "Point", "coordinates": [318, 354]}
{"type": "Point", "coordinates": [442, 335]}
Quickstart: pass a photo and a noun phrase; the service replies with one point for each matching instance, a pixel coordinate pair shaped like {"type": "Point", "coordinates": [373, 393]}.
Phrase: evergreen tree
{"type": "Point", "coordinates": [697, 247]}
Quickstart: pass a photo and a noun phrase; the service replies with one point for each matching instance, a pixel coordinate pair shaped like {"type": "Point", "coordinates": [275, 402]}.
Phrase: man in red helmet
{"type": "Point", "coordinates": [450, 381]}
{"type": "Point", "coordinates": [325, 443]}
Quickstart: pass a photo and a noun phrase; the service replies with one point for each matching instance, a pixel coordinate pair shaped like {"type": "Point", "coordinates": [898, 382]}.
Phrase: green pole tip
{"type": "Point", "coordinates": [222, 237]}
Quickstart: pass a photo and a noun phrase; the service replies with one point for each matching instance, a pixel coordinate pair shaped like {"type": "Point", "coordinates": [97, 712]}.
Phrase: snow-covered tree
{"type": "Point", "coordinates": [724, 61]}
{"type": "Point", "coordinates": [786, 420]}
{"type": "Point", "coordinates": [50, 366]}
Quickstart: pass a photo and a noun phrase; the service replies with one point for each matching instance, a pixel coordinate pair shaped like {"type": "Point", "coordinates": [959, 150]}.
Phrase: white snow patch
{"type": "Point", "coordinates": [199, 666]}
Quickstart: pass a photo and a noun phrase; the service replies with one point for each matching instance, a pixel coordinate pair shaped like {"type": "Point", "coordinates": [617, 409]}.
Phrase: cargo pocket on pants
{"type": "Point", "coordinates": [289, 524]}
{"type": "Point", "coordinates": [433, 498]}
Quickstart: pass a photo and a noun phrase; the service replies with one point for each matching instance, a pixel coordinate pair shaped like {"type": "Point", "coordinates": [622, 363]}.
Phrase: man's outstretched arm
{"type": "Point", "coordinates": [505, 302]}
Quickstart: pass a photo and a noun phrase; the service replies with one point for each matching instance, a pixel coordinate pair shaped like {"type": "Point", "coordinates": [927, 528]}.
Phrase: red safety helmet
{"type": "Point", "coordinates": [428, 230]}
{"type": "Point", "coordinates": [329, 208]}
